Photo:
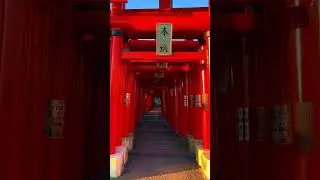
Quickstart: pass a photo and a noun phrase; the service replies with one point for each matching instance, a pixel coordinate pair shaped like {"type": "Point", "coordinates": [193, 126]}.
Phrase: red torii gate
{"type": "Point", "coordinates": [187, 92]}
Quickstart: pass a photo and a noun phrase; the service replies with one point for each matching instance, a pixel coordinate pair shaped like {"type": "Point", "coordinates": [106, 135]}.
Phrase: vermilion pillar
{"type": "Point", "coordinates": [170, 105]}
{"type": "Point", "coordinates": [179, 108]}
{"type": "Point", "coordinates": [131, 96]}
{"type": "Point", "coordinates": [126, 101]}
{"type": "Point", "coordinates": [198, 112]}
{"type": "Point", "coordinates": [186, 102]}
{"type": "Point", "coordinates": [205, 101]}
{"type": "Point", "coordinates": [115, 48]}
{"type": "Point", "coordinates": [149, 102]}
{"type": "Point", "coordinates": [176, 106]}
{"type": "Point", "coordinates": [163, 104]}
{"type": "Point", "coordinates": [133, 104]}
{"type": "Point", "coordinates": [184, 106]}
{"type": "Point", "coordinates": [122, 108]}
{"type": "Point", "coordinates": [140, 103]}
{"type": "Point", "coordinates": [191, 86]}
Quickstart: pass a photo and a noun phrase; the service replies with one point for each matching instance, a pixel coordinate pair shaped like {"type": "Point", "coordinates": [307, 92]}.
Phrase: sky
{"type": "Point", "coordinates": [154, 4]}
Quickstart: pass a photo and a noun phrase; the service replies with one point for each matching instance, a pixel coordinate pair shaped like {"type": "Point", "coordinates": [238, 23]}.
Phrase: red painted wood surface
{"type": "Point", "coordinates": [123, 80]}
{"type": "Point", "coordinates": [39, 63]}
{"type": "Point", "coordinates": [189, 23]}
{"type": "Point", "coordinates": [176, 57]}
{"type": "Point", "coordinates": [205, 73]}
{"type": "Point", "coordinates": [183, 106]}
{"type": "Point", "coordinates": [116, 44]}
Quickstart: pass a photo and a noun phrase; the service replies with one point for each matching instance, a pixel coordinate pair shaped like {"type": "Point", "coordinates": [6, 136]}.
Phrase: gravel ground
{"type": "Point", "coordinates": [159, 154]}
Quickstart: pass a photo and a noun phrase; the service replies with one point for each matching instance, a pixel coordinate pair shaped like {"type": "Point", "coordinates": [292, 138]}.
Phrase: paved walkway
{"type": "Point", "coordinates": [159, 154]}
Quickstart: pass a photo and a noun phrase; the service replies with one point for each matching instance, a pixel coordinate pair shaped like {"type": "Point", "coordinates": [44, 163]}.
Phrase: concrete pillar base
{"type": "Point", "coordinates": [128, 142]}
{"type": "Point", "coordinates": [124, 152]}
{"type": "Point", "coordinates": [116, 164]}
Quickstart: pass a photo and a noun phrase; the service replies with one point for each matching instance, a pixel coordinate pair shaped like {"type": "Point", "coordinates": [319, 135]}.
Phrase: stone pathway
{"type": "Point", "coordinates": [159, 154]}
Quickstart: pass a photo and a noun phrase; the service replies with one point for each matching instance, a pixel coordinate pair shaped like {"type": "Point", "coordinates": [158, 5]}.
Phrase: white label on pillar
{"type": "Point", "coordinates": [185, 100]}
{"type": "Point", "coordinates": [127, 99]}
{"type": "Point", "coordinates": [197, 100]}
{"type": "Point", "coordinates": [164, 39]}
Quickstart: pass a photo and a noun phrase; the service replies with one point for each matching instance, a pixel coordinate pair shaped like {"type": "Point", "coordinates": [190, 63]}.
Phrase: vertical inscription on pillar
{"type": "Point", "coordinates": [197, 100]}
{"type": "Point", "coordinates": [164, 39]}
{"type": "Point", "coordinates": [127, 98]}
{"type": "Point", "coordinates": [281, 124]}
{"type": "Point", "coordinates": [55, 119]}
{"type": "Point", "coordinates": [185, 100]}
{"type": "Point", "coordinates": [240, 124]}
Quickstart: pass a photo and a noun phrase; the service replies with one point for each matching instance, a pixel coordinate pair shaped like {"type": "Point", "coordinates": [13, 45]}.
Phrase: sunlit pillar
{"type": "Point", "coordinates": [115, 52]}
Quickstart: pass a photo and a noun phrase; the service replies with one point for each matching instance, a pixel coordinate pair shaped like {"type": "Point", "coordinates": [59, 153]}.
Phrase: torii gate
{"type": "Point", "coordinates": [187, 92]}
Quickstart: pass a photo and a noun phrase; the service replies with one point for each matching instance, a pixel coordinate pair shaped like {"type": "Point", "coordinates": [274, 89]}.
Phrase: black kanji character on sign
{"type": "Point", "coordinates": [164, 31]}
{"type": "Point", "coordinates": [163, 48]}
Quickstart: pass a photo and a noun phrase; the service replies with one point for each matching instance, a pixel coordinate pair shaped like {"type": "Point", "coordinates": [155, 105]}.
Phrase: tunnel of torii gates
{"type": "Point", "coordinates": [183, 84]}
{"type": "Point", "coordinates": [266, 74]}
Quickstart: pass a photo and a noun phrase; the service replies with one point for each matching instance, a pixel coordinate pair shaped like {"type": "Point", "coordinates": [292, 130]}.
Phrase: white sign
{"type": "Point", "coordinates": [185, 100]}
{"type": "Point", "coordinates": [197, 100]}
{"type": "Point", "coordinates": [164, 39]}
